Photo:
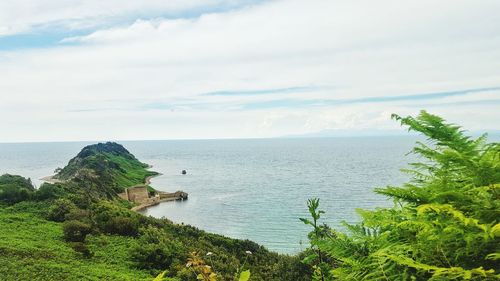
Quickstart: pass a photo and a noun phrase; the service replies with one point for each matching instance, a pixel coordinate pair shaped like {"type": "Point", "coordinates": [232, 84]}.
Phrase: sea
{"type": "Point", "coordinates": [254, 189]}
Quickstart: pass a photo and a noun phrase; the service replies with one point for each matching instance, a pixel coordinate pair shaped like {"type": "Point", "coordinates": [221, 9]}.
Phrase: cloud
{"type": "Point", "coordinates": [21, 16]}
{"type": "Point", "coordinates": [442, 96]}
{"type": "Point", "coordinates": [262, 91]}
{"type": "Point", "coordinates": [247, 70]}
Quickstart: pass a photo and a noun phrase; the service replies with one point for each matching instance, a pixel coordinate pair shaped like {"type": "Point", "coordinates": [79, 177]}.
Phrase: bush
{"type": "Point", "coordinates": [79, 215]}
{"type": "Point", "coordinates": [75, 231]}
{"type": "Point", "coordinates": [48, 191]}
{"type": "Point", "coordinates": [122, 226]}
{"type": "Point", "coordinates": [16, 180]}
{"type": "Point", "coordinates": [58, 211]}
{"type": "Point", "coordinates": [156, 251]}
{"type": "Point", "coordinates": [81, 248]}
{"type": "Point", "coordinates": [14, 189]}
{"type": "Point", "coordinates": [12, 194]}
{"type": "Point", "coordinates": [114, 219]}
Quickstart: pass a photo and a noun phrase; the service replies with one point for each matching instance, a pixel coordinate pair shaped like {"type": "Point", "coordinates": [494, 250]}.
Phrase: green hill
{"type": "Point", "coordinates": [108, 165]}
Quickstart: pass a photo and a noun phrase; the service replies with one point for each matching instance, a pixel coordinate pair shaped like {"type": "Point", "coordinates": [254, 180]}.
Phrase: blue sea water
{"type": "Point", "coordinates": [253, 189]}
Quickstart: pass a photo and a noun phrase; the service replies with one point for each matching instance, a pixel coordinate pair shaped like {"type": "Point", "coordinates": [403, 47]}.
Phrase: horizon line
{"type": "Point", "coordinates": [400, 133]}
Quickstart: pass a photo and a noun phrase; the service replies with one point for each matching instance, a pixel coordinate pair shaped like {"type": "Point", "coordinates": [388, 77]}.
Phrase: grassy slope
{"type": "Point", "coordinates": [32, 248]}
{"type": "Point", "coordinates": [114, 166]}
{"type": "Point", "coordinates": [135, 171]}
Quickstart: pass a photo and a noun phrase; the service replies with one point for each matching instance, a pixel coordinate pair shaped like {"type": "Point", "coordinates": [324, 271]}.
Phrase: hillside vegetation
{"type": "Point", "coordinates": [113, 165]}
{"type": "Point", "coordinates": [80, 230]}
{"type": "Point", "coordinates": [15, 188]}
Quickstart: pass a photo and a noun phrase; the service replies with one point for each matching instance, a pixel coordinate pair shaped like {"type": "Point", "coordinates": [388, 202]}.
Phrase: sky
{"type": "Point", "coordinates": [195, 69]}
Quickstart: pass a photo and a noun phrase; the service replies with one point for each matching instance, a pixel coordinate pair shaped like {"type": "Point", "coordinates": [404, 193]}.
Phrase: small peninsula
{"type": "Point", "coordinates": [120, 174]}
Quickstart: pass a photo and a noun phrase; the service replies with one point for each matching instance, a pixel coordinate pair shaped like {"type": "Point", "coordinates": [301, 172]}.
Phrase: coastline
{"type": "Point", "coordinates": [145, 206]}
{"type": "Point", "coordinates": [51, 179]}
{"type": "Point", "coordinates": [153, 200]}
{"type": "Point", "coordinates": [139, 208]}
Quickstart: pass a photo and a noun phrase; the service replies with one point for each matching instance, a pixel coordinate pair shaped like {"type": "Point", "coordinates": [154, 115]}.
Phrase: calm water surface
{"type": "Point", "coordinates": [252, 189]}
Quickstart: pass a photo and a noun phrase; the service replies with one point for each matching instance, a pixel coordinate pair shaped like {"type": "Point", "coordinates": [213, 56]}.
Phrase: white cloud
{"type": "Point", "coordinates": [23, 15]}
{"type": "Point", "coordinates": [104, 82]}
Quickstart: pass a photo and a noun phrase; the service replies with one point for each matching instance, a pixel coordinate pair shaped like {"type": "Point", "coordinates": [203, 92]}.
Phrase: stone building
{"type": "Point", "coordinates": [135, 194]}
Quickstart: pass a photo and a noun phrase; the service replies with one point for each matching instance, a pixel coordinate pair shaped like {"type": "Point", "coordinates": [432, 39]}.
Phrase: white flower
{"type": "Point", "coordinates": [248, 252]}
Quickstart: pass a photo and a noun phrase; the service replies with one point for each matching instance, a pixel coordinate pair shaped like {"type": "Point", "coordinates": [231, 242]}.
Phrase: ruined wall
{"type": "Point", "coordinates": [123, 195]}
{"type": "Point", "coordinates": [138, 194]}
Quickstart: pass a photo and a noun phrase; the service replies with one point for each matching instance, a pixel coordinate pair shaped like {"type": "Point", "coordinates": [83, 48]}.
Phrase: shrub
{"type": "Point", "coordinates": [49, 191]}
{"type": "Point", "coordinates": [78, 197]}
{"type": "Point", "coordinates": [12, 194]}
{"type": "Point", "coordinates": [15, 180]}
{"type": "Point", "coordinates": [79, 215]}
{"type": "Point", "coordinates": [14, 189]}
{"type": "Point", "coordinates": [75, 231]}
{"type": "Point", "coordinates": [81, 248]}
{"type": "Point", "coordinates": [122, 226]}
{"type": "Point", "coordinates": [58, 210]}
{"type": "Point", "coordinates": [113, 219]}
{"type": "Point", "coordinates": [156, 251]}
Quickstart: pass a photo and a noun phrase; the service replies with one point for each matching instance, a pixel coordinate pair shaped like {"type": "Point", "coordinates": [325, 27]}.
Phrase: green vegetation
{"type": "Point", "coordinates": [80, 230]}
{"type": "Point", "coordinates": [444, 223]}
{"type": "Point", "coordinates": [113, 165]}
{"type": "Point", "coordinates": [32, 248]}
{"type": "Point", "coordinates": [15, 189]}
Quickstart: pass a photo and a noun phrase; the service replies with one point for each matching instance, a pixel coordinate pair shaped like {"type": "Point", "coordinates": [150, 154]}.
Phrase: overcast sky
{"type": "Point", "coordinates": [127, 69]}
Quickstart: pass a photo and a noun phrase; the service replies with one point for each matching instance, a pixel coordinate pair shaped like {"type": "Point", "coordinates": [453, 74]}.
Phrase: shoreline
{"type": "Point", "coordinates": [147, 181]}
{"type": "Point", "coordinates": [145, 206]}
{"type": "Point", "coordinates": [139, 208]}
{"type": "Point", "coordinates": [154, 200]}
{"type": "Point", "coordinates": [51, 179]}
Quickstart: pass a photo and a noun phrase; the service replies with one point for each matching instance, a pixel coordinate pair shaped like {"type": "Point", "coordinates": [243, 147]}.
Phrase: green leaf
{"type": "Point", "coordinates": [244, 276]}
{"type": "Point", "coordinates": [309, 259]}
{"type": "Point", "coordinates": [306, 221]}
{"type": "Point", "coordinates": [160, 276]}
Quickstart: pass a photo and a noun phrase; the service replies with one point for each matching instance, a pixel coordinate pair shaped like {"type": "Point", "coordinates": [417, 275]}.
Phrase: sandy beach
{"type": "Point", "coordinates": [51, 179]}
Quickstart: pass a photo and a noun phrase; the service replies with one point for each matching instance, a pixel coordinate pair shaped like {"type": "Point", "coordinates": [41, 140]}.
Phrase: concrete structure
{"type": "Point", "coordinates": [178, 195]}
{"type": "Point", "coordinates": [139, 194]}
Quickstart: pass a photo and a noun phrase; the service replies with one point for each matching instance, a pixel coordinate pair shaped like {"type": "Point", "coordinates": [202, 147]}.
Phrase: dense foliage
{"type": "Point", "coordinates": [34, 248]}
{"type": "Point", "coordinates": [75, 231]}
{"type": "Point", "coordinates": [443, 226]}
{"type": "Point", "coordinates": [15, 189]}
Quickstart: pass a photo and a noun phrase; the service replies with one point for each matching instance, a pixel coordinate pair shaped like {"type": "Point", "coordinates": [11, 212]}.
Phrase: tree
{"type": "Point", "coordinates": [59, 210]}
{"type": "Point", "coordinates": [14, 189]}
